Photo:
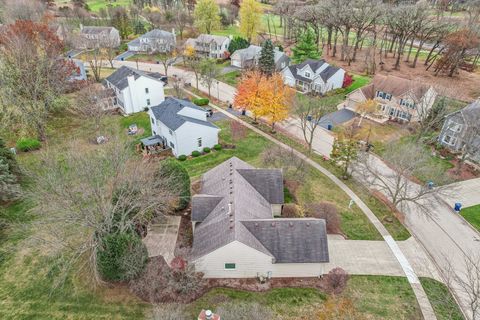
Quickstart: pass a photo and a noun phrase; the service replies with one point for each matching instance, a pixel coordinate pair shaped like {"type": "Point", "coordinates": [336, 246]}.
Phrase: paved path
{"type": "Point", "coordinates": [408, 271]}
{"type": "Point", "coordinates": [447, 238]}
{"type": "Point", "coordinates": [466, 192]}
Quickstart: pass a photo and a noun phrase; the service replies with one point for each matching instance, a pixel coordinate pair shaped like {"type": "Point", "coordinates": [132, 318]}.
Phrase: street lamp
{"type": "Point", "coordinates": [218, 90]}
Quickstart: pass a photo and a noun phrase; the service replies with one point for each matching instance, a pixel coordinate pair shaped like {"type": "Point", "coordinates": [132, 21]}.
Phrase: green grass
{"type": "Point", "coordinates": [288, 196]}
{"type": "Point", "coordinates": [96, 5]}
{"type": "Point", "coordinates": [358, 82]}
{"type": "Point", "coordinates": [231, 30]}
{"type": "Point", "coordinates": [442, 301]}
{"type": "Point", "coordinates": [231, 77]}
{"type": "Point", "coordinates": [472, 215]}
{"type": "Point", "coordinates": [142, 120]}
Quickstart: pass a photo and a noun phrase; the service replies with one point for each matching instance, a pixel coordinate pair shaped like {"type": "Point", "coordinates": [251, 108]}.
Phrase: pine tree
{"type": "Point", "coordinates": [306, 48]}
{"type": "Point", "coordinates": [266, 63]}
{"type": "Point", "coordinates": [237, 43]}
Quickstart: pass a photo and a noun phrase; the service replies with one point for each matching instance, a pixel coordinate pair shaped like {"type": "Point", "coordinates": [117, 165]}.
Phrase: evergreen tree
{"type": "Point", "coordinates": [237, 43]}
{"type": "Point", "coordinates": [266, 63]}
{"type": "Point", "coordinates": [306, 48]}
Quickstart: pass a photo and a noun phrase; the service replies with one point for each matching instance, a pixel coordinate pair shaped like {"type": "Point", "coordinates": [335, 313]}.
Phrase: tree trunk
{"type": "Point", "coordinates": [431, 52]}
{"type": "Point", "coordinates": [357, 44]}
{"type": "Point", "coordinates": [417, 54]}
{"type": "Point", "coordinates": [335, 39]}
{"type": "Point", "coordinates": [329, 40]}
{"type": "Point", "coordinates": [410, 50]}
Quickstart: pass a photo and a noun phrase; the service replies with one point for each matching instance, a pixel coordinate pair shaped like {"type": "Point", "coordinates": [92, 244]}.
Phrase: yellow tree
{"type": "Point", "coordinates": [250, 93]}
{"type": "Point", "coordinates": [190, 60]}
{"type": "Point", "coordinates": [367, 107]}
{"type": "Point", "coordinates": [250, 18]}
{"type": "Point", "coordinates": [277, 99]}
{"type": "Point", "coordinates": [207, 16]}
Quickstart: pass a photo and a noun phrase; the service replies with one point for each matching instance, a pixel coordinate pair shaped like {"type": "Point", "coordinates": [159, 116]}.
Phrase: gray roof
{"type": "Point", "coordinates": [167, 113]}
{"type": "Point", "coordinates": [152, 140]}
{"type": "Point", "coordinates": [328, 72]}
{"type": "Point", "coordinates": [96, 30]}
{"type": "Point", "coordinates": [254, 51]}
{"type": "Point", "coordinates": [202, 205]}
{"type": "Point", "coordinates": [292, 240]}
{"type": "Point", "coordinates": [119, 77]}
{"type": "Point", "coordinates": [158, 34]}
{"type": "Point", "coordinates": [293, 70]}
{"type": "Point", "coordinates": [208, 38]}
{"type": "Point", "coordinates": [244, 200]}
{"type": "Point", "coordinates": [471, 113]}
{"type": "Point", "coordinates": [314, 64]}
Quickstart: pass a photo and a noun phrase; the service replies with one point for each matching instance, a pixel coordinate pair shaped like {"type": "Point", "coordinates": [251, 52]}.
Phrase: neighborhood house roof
{"type": "Point", "coordinates": [207, 38]}
{"type": "Point", "coordinates": [167, 113]}
{"type": "Point", "coordinates": [254, 51]}
{"type": "Point", "coordinates": [119, 77]}
{"type": "Point", "coordinates": [235, 204]}
{"type": "Point", "coordinates": [96, 30]}
{"type": "Point", "coordinates": [396, 86]}
{"type": "Point", "coordinates": [325, 74]}
{"type": "Point", "coordinates": [157, 33]}
{"type": "Point", "coordinates": [151, 141]}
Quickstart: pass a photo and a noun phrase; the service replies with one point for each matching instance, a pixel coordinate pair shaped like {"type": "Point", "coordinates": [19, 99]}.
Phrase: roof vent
{"type": "Point", "coordinates": [273, 224]}
{"type": "Point", "coordinates": [256, 224]}
{"type": "Point", "coordinates": [290, 224]}
{"type": "Point", "coordinates": [231, 226]}
{"type": "Point", "coordinates": [308, 224]}
{"type": "Point", "coordinates": [229, 209]}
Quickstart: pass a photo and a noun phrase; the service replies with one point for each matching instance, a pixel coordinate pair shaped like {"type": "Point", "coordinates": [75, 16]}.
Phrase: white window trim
{"type": "Point", "coordinates": [453, 140]}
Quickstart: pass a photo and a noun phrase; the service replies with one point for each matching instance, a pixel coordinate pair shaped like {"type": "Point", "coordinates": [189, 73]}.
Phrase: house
{"type": "Point", "coordinates": [398, 98]}
{"type": "Point", "coordinates": [210, 46]}
{"type": "Point", "coordinates": [314, 76]}
{"type": "Point", "coordinates": [248, 58]}
{"type": "Point", "coordinates": [155, 40]}
{"type": "Point", "coordinates": [463, 127]}
{"type": "Point", "coordinates": [182, 126]}
{"type": "Point", "coordinates": [80, 73]}
{"type": "Point", "coordinates": [235, 234]}
{"type": "Point", "coordinates": [98, 37]}
{"type": "Point", "coordinates": [135, 90]}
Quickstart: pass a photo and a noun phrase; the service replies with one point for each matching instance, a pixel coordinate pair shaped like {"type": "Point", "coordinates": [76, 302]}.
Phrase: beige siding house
{"type": "Point", "coordinates": [398, 98]}
{"type": "Point", "coordinates": [235, 232]}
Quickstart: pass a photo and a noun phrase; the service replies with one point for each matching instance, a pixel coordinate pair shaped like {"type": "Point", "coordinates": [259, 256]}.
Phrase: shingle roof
{"type": "Point", "coordinates": [293, 70]}
{"type": "Point", "coordinates": [254, 51]}
{"type": "Point", "coordinates": [202, 205]}
{"type": "Point", "coordinates": [314, 64]}
{"type": "Point", "coordinates": [208, 38]}
{"type": "Point", "coordinates": [96, 30]}
{"type": "Point", "coordinates": [167, 113]}
{"type": "Point", "coordinates": [244, 199]}
{"type": "Point", "coordinates": [292, 240]}
{"type": "Point", "coordinates": [396, 86]}
{"type": "Point", "coordinates": [119, 77]}
{"type": "Point", "coordinates": [157, 33]}
{"type": "Point", "coordinates": [328, 72]}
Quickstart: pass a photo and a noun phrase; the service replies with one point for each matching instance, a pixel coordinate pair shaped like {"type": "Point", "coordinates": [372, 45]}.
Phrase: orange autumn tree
{"type": "Point", "coordinates": [264, 96]}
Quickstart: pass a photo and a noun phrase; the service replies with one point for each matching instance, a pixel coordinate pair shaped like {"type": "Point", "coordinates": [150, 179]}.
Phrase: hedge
{"type": "Point", "coordinates": [28, 144]}
{"type": "Point", "coordinates": [182, 157]}
{"type": "Point", "coordinates": [206, 149]}
{"type": "Point", "coordinates": [217, 147]}
{"type": "Point", "coordinates": [201, 101]}
{"type": "Point", "coordinates": [173, 170]}
{"type": "Point", "coordinates": [121, 256]}
{"type": "Point", "coordinates": [196, 153]}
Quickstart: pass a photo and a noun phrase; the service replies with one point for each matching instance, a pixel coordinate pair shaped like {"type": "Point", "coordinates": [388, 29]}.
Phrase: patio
{"type": "Point", "coordinates": [162, 237]}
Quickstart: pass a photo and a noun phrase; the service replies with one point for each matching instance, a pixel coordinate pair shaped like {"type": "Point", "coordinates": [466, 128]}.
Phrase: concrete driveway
{"type": "Point", "coordinates": [335, 118]}
{"type": "Point", "coordinates": [162, 237]}
{"type": "Point", "coordinates": [466, 192]}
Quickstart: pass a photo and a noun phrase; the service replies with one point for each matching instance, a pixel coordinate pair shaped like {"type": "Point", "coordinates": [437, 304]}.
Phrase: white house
{"type": "Point", "coordinates": [236, 235]}
{"type": "Point", "coordinates": [135, 90]}
{"type": "Point", "coordinates": [182, 126]}
{"type": "Point", "coordinates": [314, 76]}
{"type": "Point", "coordinates": [211, 46]}
{"type": "Point", "coordinates": [248, 58]}
{"type": "Point", "coordinates": [397, 98]}
{"type": "Point", "coordinates": [155, 40]}
{"type": "Point", "coordinates": [98, 37]}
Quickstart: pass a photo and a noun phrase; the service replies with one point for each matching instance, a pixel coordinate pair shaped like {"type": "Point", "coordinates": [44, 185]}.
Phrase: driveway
{"type": "Point", "coordinates": [125, 55]}
{"type": "Point", "coordinates": [162, 237]}
{"type": "Point", "coordinates": [466, 192]}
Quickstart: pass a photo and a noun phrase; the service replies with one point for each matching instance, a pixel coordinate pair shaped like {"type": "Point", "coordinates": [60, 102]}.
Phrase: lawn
{"type": "Point", "coordinates": [472, 215]}
{"type": "Point", "coordinates": [376, 297]}
{"type": "Point", "coordinates": [96, 5]}
{"type": "Point", "coordinates": [231, 77]}
{"type": "Point", "coordinates": [442, 301]}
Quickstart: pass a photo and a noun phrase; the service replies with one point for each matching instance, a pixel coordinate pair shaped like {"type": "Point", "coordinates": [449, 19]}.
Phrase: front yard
{"type": "Point", "coordinates": [472, 215]}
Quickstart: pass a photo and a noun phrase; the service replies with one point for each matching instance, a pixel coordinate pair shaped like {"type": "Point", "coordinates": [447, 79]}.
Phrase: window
{"type": "Point", "coordinates": [283, 65]}
{"type": "Point", "coordinates": [307, 74]}
{"type": "Point", "coordinates": [199, 140]}
{"type": "Point", "coordinates": [146, 90]}
{"type": "Point", "coordinates": [388, 96]}
{"type": "Point", "coordinates": [172, 145]}
{"type": "Point", "coordinates": [148, 102]}
{"type": "Point", "coordinates": [449, 140]}
{"type": "Point", "coordinates": [230, 266]}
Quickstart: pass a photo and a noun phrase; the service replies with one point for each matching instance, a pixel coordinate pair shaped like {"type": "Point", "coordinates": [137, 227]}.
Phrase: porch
{"type": "Point", "coordinates": [154, 145]}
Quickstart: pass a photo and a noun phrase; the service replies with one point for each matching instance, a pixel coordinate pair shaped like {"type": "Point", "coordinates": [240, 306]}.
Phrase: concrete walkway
{"type": "Point", "coordinates": [424, 303]}
{"type": "Point", "coordinates": [466, 192]}
{"type": "Point", "coordinates": [162, 237]}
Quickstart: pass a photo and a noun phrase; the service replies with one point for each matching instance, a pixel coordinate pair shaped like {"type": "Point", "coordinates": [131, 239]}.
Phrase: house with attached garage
{"type": "Point", "coordinates": [135, 90]}
{"type": "Point", "coordinates": [210, 46]}
{"type": "Point", "coordinates": [98, 37]}
{"type": "Point", "coordinates": [236, 234]}
{"type": "Point", "coordinates": [461, 131]}
{"type": "Point", "coordinates": [398, 98]}
{"type": "Point", "coordinates": [314, 76]}
{"type": "Point", "coordinates": [182, 126]}
{"type": "Point", "coordinates": [248, 58]}
{"type": "Point", "coordinates": [155, 40]}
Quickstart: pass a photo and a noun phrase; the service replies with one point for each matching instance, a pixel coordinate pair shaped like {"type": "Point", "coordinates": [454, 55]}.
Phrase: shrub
{"type": "Point", "coordinates": [182, 157]}
{"type": "Point", "coordinates": [201, 101]}
{"type": "Point", "coordinates": [291, 210]}
{"type": "Point", "coordinates": [347, 80]}
{"type": "Point", "coordinates": [122, 256]}
{"type": "Point", "coordinates": [196, 153]}
{"type": "Point", "coordinates": [206, 149]}
{"type": "Point", "coordinates": [327, 211]}
{"type": "Point", "coordinates": [180, 181]}
{"type": "Point", "coordinates": [28, 144]}
{"type": "Point", "coordinates": [217, 147]}
{"type": "Point", "coordinates": [335, 281]}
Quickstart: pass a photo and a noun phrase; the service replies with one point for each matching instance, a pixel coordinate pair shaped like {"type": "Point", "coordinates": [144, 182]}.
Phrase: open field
{"type": "Point", "coordinates": [472, 215]}
{"type": "Point", "coordinates": [96, 5]}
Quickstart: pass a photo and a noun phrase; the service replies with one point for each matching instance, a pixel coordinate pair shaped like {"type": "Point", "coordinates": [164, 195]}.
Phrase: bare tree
{"type": "Point", "coordinates": [406, 161]}
{"type": "Point", "coordinates": [85, 195]}
{"type": "Point", "coordinates": [293, 167]}
{"type": "Point", "coordinates": [177, 83]}
{"type": "Point", "coordinates": [95, 61]}
{"type": "Point", "coordinates": [309, 111]}
{"type": "Point", "coordinates": [182, 19]}
{"type": "Point", "coordinates": [327, 211]}
{"type": "Point", "coordinates": [335, 281]}
{"type": "Point", "coordinates": [13, 10]}
{"type": "Point", "coordinates": [209, 71]}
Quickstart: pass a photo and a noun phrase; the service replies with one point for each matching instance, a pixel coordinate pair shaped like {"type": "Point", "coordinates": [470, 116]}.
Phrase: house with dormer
{"type": "Point", "coordinates": [314, 76]}
{"type": "Point", "coordinates": [98, 37]}
{"type": "Point", "coordinates": [155, 40]}
{"type": "Point", "coordinates": [210, 46]}
{"type": "Point", "coordinates": [398, 98]}
{"type": "Point", "coordinates": [239, 233]}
